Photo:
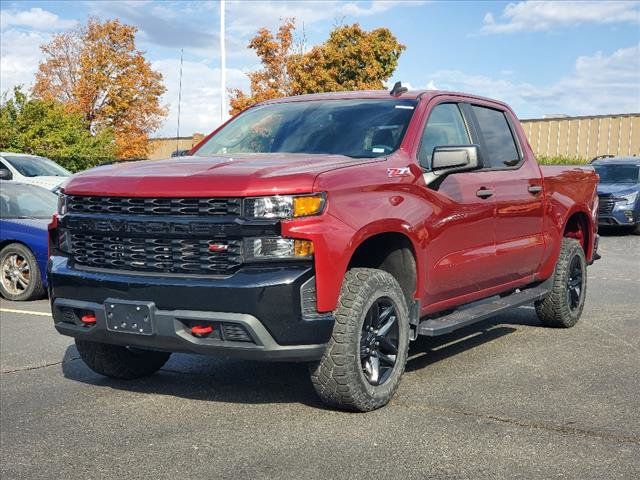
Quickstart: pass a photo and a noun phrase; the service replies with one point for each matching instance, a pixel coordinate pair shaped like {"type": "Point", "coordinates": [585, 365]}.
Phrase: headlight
{"type": "Point", "coordinates": [284, 206]}
{"type": "Point", "coordinates": [276, 248]}
{"type": "Point", "coordinates": [629, 198]}
{"type": "Point", "coordinates": [62, 204]}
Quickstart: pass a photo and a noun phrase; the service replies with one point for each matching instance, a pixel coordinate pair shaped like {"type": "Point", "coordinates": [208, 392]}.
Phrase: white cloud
{"type": "Point", "coordinates": [246, 20]}
{"type": "Point", "coordinates": [599, 84]}
{"type": "Point", "coordinates": [34, 18]}
{"type": "Point", "coordinates": [545, 15]}
{"type": "Point", "coordinates": [200, 105]}
{"type": "Point", "coordinates": [23, 31]}
{"type": "Point", "coordinates": [20, 57]}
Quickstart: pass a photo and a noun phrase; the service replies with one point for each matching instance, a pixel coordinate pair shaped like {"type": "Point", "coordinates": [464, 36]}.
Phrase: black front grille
{"type": "Point", "coordinates": [161, 255]}
{"type": "Point", "coordinates": [606, 204]}
{"type": "Point", "coordinates": [155, 206]}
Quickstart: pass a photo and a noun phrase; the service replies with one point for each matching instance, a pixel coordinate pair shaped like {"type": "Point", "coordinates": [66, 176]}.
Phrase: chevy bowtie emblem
{"type": "Point", "coordinates": [218, 247]}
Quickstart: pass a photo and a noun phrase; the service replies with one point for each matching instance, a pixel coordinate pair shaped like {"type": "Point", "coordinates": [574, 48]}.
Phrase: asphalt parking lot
{"type": "Point", "coordinates": [504, 399]}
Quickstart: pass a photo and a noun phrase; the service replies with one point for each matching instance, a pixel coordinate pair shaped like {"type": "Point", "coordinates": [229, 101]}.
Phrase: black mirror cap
{"type": "Point", "coordinates": [455, 158]}
{"type": "Point", "coordinates": [5, 174]}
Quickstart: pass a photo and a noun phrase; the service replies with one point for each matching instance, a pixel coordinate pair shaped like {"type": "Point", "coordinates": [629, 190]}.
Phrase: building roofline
{"type": "Point", "coordinates": [580, 117]}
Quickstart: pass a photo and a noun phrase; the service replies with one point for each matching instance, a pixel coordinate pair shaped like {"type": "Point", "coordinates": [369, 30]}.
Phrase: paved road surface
{"type": "Point", "coordinates": [505, 399]}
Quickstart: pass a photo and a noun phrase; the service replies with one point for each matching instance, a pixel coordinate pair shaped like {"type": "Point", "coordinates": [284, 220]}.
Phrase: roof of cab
{"type": "Point", "coordinates": [381, 94]}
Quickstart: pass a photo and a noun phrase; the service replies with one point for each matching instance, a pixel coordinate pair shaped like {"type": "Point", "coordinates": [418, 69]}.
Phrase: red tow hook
{"type": "Point", "coordinates": [201, 330]}
{"type": "Point", "coordinates": [89, 319]}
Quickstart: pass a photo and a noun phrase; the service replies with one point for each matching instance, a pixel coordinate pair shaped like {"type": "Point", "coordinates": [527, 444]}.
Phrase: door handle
{"type": "Point", "coordinates": [535, 189]}
{"type": "Point", "coordinates": [484, 193]}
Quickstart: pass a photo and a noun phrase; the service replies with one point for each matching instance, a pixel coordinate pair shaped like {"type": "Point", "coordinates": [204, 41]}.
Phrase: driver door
{"type": "Point", "coordinates": [462, 229]}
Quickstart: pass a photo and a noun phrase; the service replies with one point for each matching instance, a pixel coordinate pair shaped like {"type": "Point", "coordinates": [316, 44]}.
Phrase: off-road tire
{"type": "Point", "coordinates": [338, 377]}
{"type": "Point", "coordinates": [35, 288]}
{"type": "Point", "coordinates": [554, 310]}
{"type": "Point", "coordinates": [116, 361]}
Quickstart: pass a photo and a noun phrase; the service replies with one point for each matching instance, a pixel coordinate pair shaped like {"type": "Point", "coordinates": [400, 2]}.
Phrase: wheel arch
{"type": "Point", "coordinates": [578, 226]}
{"type": "Point", "coordinates": [393, 252]}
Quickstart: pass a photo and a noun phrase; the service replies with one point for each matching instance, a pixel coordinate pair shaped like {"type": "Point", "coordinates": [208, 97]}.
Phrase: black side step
{"type": "Point", "coordinates": [477, 312]}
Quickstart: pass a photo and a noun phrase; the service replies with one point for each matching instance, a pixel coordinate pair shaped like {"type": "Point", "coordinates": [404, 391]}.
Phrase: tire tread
{"type": "Point", "coordinates": [336, 378]}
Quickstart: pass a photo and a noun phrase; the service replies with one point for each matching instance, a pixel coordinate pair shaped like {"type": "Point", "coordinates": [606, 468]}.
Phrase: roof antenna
{"type": "Point", "coordinates": [398, 90]}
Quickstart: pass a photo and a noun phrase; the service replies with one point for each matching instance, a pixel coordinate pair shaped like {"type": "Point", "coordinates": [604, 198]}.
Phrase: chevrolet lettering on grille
{"type": "Point", "coordinates": [151, 227]}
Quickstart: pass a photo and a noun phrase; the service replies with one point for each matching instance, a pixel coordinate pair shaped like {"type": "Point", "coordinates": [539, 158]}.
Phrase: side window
{"type": "Point", "coordinates": [444, 127]}
{"type": "Point", "coordinates": [498, 139]}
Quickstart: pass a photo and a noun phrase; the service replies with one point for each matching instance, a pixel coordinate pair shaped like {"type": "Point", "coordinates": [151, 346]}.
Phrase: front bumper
{"type": "Point", "coordinates": [264, 302]}
{"type": "Point", "coordinates": [621, 215]}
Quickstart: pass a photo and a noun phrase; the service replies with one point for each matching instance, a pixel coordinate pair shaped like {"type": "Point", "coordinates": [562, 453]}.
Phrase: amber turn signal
{"type": "Point", "coordinates": [308, 205]}
{"type": "Point", "coordinates": [302, 248]}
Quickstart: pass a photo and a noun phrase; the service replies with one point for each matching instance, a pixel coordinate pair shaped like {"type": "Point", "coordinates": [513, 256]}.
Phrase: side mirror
{"type": "Point", "coordinates": [5, 174]}
{"type": "Point", "coordinates": [455, 158]}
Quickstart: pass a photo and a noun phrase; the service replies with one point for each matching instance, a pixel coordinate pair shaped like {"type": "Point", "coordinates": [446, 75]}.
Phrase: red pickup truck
{"type": "Point", "coordinates": [331, 229]}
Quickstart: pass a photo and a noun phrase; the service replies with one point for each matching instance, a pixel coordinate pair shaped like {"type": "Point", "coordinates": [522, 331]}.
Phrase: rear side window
{"type": "Point", "coordinates": [444, 127]}
{"type": "Point", "coordinates": [498, 138]}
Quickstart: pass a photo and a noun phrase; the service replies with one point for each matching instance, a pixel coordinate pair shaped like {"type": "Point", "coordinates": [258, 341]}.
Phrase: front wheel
{"type": "Point", "coordinates": [563, 306]}
{"type": "Point", "coordinates": [367, 353]}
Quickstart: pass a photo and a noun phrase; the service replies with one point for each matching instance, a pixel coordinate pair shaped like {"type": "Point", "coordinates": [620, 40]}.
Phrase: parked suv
{"type": "Point", "coordinates": [619, 192]}
{"type": "Point", "coordinates": [331, 229]}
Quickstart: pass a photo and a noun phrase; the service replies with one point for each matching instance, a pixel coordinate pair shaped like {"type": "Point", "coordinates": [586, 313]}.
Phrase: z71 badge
{"type": "Point", "coordinates": [398, 172]}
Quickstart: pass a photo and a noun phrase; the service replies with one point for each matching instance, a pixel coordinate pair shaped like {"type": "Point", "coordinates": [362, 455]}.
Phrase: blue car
{"type": "Point", "coordinates": [619, 192]}
{"type": "Point", "coordinates": [25, 211]}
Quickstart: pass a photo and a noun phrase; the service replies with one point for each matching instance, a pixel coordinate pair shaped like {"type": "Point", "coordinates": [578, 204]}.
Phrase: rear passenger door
{"type": "Point", "coordinates": [518, 195]}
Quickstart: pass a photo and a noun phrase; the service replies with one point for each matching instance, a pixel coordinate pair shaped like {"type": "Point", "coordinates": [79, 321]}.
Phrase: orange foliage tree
{"type": "Point", "coordinates": [350, 59]}
{"type": "Point", "coordinates": [97, 70]}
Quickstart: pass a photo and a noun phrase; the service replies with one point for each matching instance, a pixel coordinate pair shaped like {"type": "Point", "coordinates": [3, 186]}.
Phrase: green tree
{"type": "Point", "coordinates": [47, 128]}
{"type": "Point", "coordinates": [350, 59]}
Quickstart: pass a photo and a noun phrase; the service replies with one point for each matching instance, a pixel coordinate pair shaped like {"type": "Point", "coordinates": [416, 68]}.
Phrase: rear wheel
{"type": "Point", "coordinates": [366, 355]}
{"type": "Point", "coordinates": [116, 361]}
{"type": "Point", "coordinates": [563, 306]}
{"type": "Point", "coordinates": [20, 276]}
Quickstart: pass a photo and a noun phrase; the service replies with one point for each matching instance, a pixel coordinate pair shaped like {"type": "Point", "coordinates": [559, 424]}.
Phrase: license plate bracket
{"type": "Point", "coordinates": [131, 317]}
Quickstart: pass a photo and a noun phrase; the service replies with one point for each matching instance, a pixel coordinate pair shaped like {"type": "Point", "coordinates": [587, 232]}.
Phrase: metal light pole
{"type": "Point", "coordinates": [223, 66]}
{"type": "Point", "coordinates": [179, 100]}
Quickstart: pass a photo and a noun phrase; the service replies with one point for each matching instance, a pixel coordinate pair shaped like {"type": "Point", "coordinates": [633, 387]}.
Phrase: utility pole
{"type": "Point", "coordinates": [179, 101]}
{"type": "Point", "coordinates": [223, 67]}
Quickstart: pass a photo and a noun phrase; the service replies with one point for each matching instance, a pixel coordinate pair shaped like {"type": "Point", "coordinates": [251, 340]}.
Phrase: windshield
{"type": "Point", "coordinates": [36, 166]}
{"type": "Point", "coordinates": [618, 173]}
{"type": "Point", "coordinates": [26, 201]}
{"type": "Point", "coordinates": [356, 128]}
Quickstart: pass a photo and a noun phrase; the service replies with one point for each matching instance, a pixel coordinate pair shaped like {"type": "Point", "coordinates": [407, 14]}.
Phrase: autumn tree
{"type": "Point", "coordinates": [47, 128]}
{"type": "Point", "coordinates": [97, 71]}
{"type": "Point", "coordinates": [350, 59]}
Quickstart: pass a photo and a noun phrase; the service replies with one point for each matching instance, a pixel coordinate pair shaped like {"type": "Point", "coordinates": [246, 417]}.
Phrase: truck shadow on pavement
{"type": "Point", "coordinates": [227, 380]}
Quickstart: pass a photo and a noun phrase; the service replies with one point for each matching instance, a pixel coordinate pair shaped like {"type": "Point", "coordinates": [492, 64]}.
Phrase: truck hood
{"type": "Point", "coordinates": [617, 188]}
{"type": "Point", "coordinates": [241, 175]}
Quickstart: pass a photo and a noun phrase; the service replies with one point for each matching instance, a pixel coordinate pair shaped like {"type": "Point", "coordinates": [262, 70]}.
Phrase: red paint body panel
{"type": "Point", "coordinates": [466, 247]}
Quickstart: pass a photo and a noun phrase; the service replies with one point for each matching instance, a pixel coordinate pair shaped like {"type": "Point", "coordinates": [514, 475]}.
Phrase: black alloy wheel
{"type": "Point", "coordinates": [574, 283]}
{"type": "Point", "coordinates": [379, 341]}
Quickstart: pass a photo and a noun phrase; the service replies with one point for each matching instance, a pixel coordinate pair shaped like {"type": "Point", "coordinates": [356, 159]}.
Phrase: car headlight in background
{"type": "Point", "coordinates": [284, 206]}
{"type": "Point", "coordinates": [62, 204]}
{"type": "Point", "coordinates": [630, 198]}
{"type": "Point", "coordinates": [276, 248]}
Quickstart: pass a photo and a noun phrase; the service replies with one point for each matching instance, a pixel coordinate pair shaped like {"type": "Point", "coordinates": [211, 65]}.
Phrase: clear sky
{"type": "Point", "coordinates": [575, 58]}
